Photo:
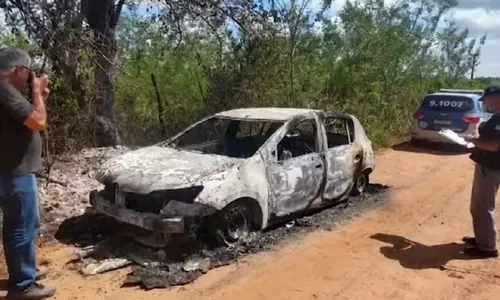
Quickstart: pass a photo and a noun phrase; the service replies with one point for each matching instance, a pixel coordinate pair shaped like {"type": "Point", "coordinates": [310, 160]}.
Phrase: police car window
{"type": "Point", "coordinates": [482, 105]}
{"type": "Point", "coordinates": [447, 103]}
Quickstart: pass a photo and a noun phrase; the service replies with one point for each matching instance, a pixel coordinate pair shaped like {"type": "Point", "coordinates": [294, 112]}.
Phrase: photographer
{"type": "Point", "coordinates": [20, 157]}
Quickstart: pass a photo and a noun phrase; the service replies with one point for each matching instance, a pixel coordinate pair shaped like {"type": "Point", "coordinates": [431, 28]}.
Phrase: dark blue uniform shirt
{"type": "Point", "coordinates": [489, 130]}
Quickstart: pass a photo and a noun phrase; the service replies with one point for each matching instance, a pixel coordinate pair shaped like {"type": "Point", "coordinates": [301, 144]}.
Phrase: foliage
{"type": "Point", "coordinates": [372, 60]}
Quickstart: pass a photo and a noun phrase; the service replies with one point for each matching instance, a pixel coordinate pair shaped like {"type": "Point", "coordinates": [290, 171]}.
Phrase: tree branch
{"type": "Point", "coordinates": [116, 14]}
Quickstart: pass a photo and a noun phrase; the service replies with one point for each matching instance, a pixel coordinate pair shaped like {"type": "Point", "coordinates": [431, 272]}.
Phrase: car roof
{"type": "Point", "coordinates": [265, 113]}
{"type": "Point", "coordinates": [472, 96]}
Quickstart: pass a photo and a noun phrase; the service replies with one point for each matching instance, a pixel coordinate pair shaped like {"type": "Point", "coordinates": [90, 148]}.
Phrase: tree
{"type": "Point", "coordinates": [373, 60]}
{"type": "Point", "coordinates": [102, 17]}
{"type": "Point", "coordinates": [59, 28]}
{"type": "Point", "coordinates": [55, 26]}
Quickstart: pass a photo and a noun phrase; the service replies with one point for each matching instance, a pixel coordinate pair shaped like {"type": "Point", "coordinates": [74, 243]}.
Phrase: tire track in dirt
{"type": "Point", "coordinates": [432, 223]}
{"type": "Point", "coordinates": [429, 204]}
{"type": "Point", "coordinates": [252, 276]}
{"type": "Point", "coordinates": [421, 207]}
{"type": "Point", "coordinates": [375, 265]}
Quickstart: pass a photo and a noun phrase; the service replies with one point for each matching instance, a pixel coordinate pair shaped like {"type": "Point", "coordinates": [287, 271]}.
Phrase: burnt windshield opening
{"type": "Point", "coordinates": [448, 103]}
{"type": "Point", "coordinates": [229, 137]}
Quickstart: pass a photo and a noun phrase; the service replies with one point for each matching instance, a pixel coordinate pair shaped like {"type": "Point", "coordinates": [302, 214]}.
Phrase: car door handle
{"type": "Point", "coordinates": [318, 166]}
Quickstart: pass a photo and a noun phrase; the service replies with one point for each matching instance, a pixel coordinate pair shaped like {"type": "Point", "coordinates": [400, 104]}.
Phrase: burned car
{"type": "Point", "coordinates": [238, 171]}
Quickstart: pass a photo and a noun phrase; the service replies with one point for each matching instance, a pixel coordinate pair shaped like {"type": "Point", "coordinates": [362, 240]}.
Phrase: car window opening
{"type": "Point", "coordinates": [339, 131]}
{"type": "Point", "coordinates": [301, 139]}
{"type": "Point", "coordinates": [228, 137]}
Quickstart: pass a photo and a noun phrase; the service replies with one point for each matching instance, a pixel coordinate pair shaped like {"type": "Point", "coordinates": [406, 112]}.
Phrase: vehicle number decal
{"type": "Point", "coordinates": [446, 103]}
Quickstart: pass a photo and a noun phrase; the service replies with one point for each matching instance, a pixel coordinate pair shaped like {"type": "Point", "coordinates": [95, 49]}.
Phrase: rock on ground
{"type": "Point", "coordinates": [76, 171]}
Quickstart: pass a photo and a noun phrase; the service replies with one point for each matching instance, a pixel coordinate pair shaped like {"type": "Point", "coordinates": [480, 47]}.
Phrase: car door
{"type": "Point", "coordinates": [341, 158]}
{"type": "Point", "coordinates": [297, 171]}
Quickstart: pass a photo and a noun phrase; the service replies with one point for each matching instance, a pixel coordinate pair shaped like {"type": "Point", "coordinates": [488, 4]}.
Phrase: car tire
{"type": "Point", "coordinates": [234, 223]}
{"type": "Point", "coordinates": [360, 184]}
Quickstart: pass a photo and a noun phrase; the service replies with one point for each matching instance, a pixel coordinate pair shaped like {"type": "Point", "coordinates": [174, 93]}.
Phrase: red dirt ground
{"type": "Point", "coordinates": [429, 205]}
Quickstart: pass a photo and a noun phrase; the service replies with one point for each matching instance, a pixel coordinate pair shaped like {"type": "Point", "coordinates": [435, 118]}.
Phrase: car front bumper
{"type": "Point", "coordinates": [150, 221]}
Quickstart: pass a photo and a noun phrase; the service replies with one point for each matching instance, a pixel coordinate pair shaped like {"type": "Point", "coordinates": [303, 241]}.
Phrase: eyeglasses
{"type": "Point", "coordinates": [26, 68]}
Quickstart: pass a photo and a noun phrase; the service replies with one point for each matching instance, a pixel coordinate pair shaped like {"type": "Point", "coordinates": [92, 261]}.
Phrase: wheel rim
{"type": "Point", "coordinates": [237, 223]}
{"type": "Point", "coordinates": [361, 183]}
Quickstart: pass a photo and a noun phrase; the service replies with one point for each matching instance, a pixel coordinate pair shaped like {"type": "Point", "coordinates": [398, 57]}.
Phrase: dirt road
{"type": "Point", "coordinates": [428, 205]}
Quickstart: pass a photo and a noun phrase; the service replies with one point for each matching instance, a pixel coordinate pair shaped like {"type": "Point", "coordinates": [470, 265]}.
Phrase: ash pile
{"type": "Point", "coordinates": [104, 245]}
{"type": "Point", "coordinates": [64, 191]}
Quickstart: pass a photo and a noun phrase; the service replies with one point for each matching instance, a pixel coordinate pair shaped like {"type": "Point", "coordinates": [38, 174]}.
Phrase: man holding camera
{"type": "Point", "coordinates": [21, 120]}
{"type": "Point", "coordinates": [486, 155]}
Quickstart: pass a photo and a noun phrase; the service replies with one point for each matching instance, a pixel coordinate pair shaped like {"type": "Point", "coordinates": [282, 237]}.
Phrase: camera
{"type": "Point", "coordinates": [31, 77]}
{"type": "Point", "coordinates": [28, 84]}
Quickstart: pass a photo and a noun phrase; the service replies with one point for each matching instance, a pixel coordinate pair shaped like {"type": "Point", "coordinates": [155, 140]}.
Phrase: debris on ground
{"type": "Point", "coordinates": [162, 268]}
{"type": "Point", "coordinates": [194, 264]}
{"type": "Point", "coordinates": [103, 266]}
{"type": "Point", "coordinates": [70, 180]}
{"type": "Point", "coordinates": [102, 247]}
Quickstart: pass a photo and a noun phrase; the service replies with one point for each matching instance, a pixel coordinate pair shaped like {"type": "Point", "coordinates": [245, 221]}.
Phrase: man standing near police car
{"type": "Point", "coordinates": [486, 155]}
{"type": "Point", "coordinates": [20, 157]}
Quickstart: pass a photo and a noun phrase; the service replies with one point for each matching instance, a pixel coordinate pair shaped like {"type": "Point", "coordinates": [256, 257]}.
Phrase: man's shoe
{"type": "Point", "coordinates": [41, 272]}
{"type": "Point", "coordinates": [474, 251]}
{"type": "Point", "coordinates": [469, 240]}
{"type": "Point", "coordinates": [35, 292]}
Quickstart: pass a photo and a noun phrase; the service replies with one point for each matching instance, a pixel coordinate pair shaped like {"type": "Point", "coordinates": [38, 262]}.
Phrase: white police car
{"type": "Point", "coordinates": [458, 110]}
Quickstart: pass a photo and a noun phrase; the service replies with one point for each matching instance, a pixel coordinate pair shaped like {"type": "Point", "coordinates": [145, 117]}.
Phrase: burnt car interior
{"type": "Point", "coordinates": [300, 139]}
{"type": "Point", "coordinates": [339, 131]}
{"type": "Point", "coordinates": [242, 138]}
{"type": "Point", "coordinates": [228, 137]}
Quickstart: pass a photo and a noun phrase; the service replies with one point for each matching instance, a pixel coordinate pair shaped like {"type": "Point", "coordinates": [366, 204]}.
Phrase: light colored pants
{"type": "Point", "coordinates": [482, 208]}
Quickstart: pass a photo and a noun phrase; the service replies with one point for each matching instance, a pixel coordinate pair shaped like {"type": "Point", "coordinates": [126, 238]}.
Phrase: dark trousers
{"type": "Point", "coordinates": [21, 222]}
{"type": "Point", "coordinates": [484, 191]}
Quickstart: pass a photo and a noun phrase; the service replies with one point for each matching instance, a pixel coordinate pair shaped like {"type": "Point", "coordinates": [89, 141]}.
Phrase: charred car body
{"type": "Point", "coordinates": [239, 169]}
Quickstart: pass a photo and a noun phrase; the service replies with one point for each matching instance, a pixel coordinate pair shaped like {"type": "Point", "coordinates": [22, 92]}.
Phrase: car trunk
{"type": "Point", "coordinates": [446, 112]}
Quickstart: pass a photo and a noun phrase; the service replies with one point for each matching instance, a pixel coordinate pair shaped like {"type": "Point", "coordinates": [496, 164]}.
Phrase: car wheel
{"type": "Point", "coordinates": [234, 222]}
{"type": "Point", "coordinates": [360, 184]}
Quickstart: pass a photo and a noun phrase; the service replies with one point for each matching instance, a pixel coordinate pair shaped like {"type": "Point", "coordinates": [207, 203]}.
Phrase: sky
{"type": "Point", "coordinates": [480, 16]}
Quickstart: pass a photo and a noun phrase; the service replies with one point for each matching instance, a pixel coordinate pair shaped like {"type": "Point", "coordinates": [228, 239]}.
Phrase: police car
{"type": "Point", "coordinates": [458, 110]}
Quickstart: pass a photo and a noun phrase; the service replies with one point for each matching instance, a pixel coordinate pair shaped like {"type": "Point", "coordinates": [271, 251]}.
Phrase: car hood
{"type": "Point", "coordinates": [160, 168]}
